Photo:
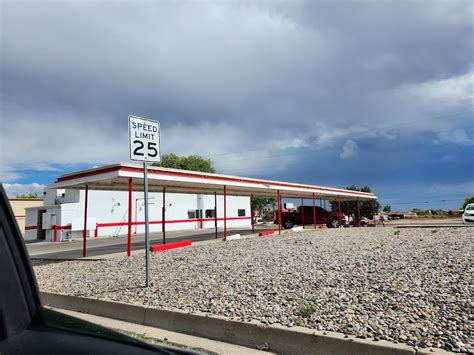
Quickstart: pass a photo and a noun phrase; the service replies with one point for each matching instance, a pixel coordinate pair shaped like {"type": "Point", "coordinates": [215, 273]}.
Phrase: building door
{"type": "Point", "coordinates": [41, 233]}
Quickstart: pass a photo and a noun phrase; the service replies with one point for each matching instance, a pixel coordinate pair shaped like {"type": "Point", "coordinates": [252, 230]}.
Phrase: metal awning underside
{"type": "Point", "coordinates": [116, 177]}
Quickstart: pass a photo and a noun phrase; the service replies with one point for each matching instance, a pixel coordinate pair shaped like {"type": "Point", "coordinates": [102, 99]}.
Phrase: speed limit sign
{"type": "Point", "coordinates": [144, 143]}
{"type": "Point", "coordinates": [144, 139]}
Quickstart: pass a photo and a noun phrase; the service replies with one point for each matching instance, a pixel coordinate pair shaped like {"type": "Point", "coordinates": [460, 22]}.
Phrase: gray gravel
{"type": "Point", "coordinates": [411, 286]}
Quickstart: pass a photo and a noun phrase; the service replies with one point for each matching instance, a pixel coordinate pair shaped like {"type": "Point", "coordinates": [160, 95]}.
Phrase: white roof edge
{"type": "Point", "coordinates": [323, 189]}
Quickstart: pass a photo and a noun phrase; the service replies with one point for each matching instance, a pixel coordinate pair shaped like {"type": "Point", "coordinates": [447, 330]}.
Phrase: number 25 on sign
{"type": "Point", "coordinates": [144, 139]}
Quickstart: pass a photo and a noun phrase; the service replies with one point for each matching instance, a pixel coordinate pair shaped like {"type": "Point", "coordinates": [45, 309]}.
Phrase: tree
{"type": "Point", "coordinates": [258, 203]}
{"type": "Point", "coordinates": [33, 195]}
{"type": "Point", "coordinates": [467, 201]}
{"type": "Point", "coordinates": [366, 206]}
{"type": "Point", "coordinates": [190, 162]}
{"type": "Point", "coordinates": [387, 208]}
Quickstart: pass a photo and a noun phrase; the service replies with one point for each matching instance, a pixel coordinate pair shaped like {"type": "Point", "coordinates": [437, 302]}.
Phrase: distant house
{"type": "Point", "coordinates": [19, 205]}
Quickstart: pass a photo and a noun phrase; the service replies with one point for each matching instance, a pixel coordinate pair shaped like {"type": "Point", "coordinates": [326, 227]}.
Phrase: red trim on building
{"type": "Point", "coordinates": [209, 177]}
{"type": "Point", "coordinates": [121, 224]}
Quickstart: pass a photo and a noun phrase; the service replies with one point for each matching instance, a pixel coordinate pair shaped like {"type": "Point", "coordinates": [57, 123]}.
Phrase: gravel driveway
{"type": "Point", "coordinates": [412, 285]}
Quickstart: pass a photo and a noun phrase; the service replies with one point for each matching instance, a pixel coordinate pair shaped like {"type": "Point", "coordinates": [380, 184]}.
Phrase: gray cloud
{"type": "Point", "coordinates": [230, 77]}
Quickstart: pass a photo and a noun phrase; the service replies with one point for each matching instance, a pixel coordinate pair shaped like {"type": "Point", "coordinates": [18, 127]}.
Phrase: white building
{"type": "Point", "coordinates": [108, 213]}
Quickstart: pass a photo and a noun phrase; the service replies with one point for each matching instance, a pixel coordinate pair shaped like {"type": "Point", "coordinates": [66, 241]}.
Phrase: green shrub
{"type": "Point", "coordinates": [306, 311]}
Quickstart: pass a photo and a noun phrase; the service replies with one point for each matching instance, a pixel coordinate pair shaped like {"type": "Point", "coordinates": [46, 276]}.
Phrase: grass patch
{"type": "Point", "coordinates": [306, 311]}
{"type": "Point", "coordinates": [397, 232]}
{"type": "Point", "coordinates": [422, 340]}
{"type": "Point", "coordinates": [347, 327]}
{"type": "Point", "coordinates": [434, 230]}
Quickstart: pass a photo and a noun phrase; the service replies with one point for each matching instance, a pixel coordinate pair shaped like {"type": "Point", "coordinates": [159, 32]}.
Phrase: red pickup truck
{"type": "Point", "coordinates": [295, 216]}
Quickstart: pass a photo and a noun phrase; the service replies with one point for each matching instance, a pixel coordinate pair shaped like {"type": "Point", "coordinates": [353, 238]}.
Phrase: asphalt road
{"type": "Point", "coordinates": [109, 245]}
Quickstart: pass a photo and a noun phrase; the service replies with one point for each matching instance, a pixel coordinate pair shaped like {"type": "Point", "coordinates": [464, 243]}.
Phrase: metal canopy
{"type": "Point", "coordinates": [117, 176]}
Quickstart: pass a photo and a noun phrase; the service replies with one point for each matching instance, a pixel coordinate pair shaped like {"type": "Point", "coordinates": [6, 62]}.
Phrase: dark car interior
{"type": "Point", "coordinates": [28, 328]}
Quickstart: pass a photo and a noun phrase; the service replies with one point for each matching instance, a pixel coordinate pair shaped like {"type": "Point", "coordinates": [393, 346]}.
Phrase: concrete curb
{"type": "Point", "coordinates": [403, 226]}
{"type": "Point", "coordinates": [295, 340]}
{"type": "Point", "coordinates": [233, 237]}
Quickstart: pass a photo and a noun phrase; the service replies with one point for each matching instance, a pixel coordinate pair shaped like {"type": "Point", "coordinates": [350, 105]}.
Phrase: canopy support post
{"type": "Point", "coordinates": [348, 211]}
{"type": "Point", "coordinates": [84, 231]}
{"type": "Point", "coordinates": [129, 231]}
{"type": "Point", "coordinates": [358, 212]}
{"type": "Point", "coordinates": [279, 211]}
{"type": "Point", "coordinates": [339, 209]}
{"type": "Point", "coordinates": [215, 213]}
{"type": "Point", "coordinates": [302, 212]}
{"type": "Point", "coordinates": [225, 212]}
{"type": "Point", "coordinates": [314, 212]}
{"type": "Point", "coordinates": [251, 214]}
{"type": "Point", "coordinates": [163, 217]}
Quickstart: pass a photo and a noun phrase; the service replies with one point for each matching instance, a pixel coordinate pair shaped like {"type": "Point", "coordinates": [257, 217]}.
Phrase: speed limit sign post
{"type": "Point", "coordinates": [144, 143]}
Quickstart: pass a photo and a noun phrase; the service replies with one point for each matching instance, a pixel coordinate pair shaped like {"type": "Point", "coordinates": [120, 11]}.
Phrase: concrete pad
{"type": "Point", "coordinates": [297, 229]}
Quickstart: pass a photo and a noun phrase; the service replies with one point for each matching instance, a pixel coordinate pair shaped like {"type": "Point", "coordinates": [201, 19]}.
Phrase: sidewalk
{"type": "Point", "coordinates": [166, 337]}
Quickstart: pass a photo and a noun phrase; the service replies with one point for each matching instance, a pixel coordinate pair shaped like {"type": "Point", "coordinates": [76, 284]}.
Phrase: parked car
{"type": "Point", "coordinates": [295, 216]}
{"type": "Point", "coordinates": [364, 221]}
{"type": "Point", "coordinates": [468, 215]}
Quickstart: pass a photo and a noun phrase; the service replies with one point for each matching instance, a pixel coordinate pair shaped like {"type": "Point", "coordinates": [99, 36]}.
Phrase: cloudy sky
{"type": "Point", "coordinates": [376, 93]}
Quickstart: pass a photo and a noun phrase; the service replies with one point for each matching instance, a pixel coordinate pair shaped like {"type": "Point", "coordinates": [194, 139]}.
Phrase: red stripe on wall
{"type": "Point", "coordinates": [119, 224]}
{"type": "Point", "coordinates": [36, 227]}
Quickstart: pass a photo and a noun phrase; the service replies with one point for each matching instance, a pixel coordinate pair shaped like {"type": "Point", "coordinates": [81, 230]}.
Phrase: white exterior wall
{"type": "Point", "coordinates": [31, 219]}
{"type": "Point", "coordinates": [112, 207]}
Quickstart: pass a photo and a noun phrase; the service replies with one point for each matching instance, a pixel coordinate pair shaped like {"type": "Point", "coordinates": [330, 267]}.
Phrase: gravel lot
{"type": "Point", "coordinates": [411, 285]}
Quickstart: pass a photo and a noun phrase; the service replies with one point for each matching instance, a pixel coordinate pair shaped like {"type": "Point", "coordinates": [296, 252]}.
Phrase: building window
{"type": "Point", "coordinates": [241, 213]}
{"type": "Point", "coordinates": [194, 214]}
{"type": "Point", "coordinates": [210, 213]}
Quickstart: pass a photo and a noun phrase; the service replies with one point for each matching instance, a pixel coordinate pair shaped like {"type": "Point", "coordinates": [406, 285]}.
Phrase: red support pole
{"type": "Point", "coordinates": [302, 211]}
{"type": "Point", "coordinates": [279, 212]}
{"type": "Point", "coordinates": [348, 211]}
{"type": "Point", "coordinates": [314, 212]}
{"type": "Point", "coordinates": [96, 231]}
{"type": "Point", "coordinates": [358, 212]}
{"type": "Point", "coordinates": [215, 212]}
{"type": "Point", "coordinates": [129, 234]}
{"type": "Point", "coordinates": [84, 231]}
{"type": "Point", "coordinates": [163, 217]}
{"type": "Point", "coordinates": [225, 212]}
{"type": "Point", "coordinates": [251, 214]}
{"type": "Point", "coordinates": [339, 209]}
{"type": "Point", "coordinates": [373, 210]}
{"type": "Point", "coordinates": [55, 233]}
{"type": "Point", "coordinates": [136, 214]}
